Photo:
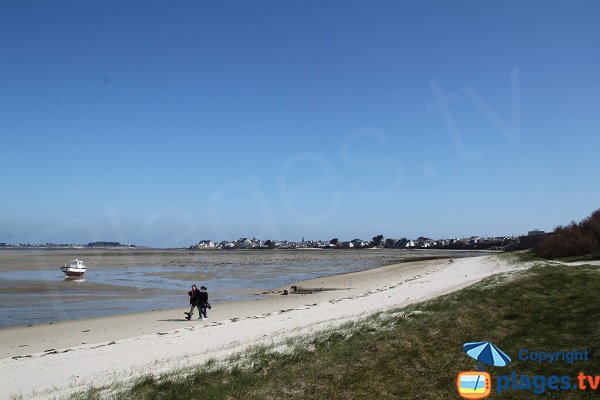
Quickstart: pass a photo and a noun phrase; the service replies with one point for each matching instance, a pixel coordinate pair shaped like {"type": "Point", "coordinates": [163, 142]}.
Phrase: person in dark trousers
{"type": "Point", "coordinates": [203, 301]}
{"type": "Point", "coordinates": [194, 301]}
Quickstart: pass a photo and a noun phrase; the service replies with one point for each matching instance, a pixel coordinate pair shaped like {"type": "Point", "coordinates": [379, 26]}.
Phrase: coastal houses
{"type": "Point", "coordinates": [204, 244]}
{"type": "Point", "coordinates": [422, 242]}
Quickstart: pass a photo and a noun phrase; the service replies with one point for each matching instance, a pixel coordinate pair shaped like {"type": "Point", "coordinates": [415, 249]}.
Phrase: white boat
{"type": "Point", "coordinates": [75, 269]}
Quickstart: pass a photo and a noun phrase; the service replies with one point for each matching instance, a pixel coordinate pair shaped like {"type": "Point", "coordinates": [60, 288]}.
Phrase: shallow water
{"type": "Point", "coordinates": [41, 295]}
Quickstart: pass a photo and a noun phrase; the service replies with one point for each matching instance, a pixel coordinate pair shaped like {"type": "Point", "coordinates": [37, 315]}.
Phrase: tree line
{"type": "Point", "coordinates": [576, 239]}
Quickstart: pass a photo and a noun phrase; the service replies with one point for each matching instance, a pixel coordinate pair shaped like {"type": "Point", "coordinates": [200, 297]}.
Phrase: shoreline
{"type": "Point", "coordinates": [259, 295]}
{"type": "Point", "coordinates": [117, 284]}
{"type": "Point", "coordinates": [232, 327]}
{"type": "Point", "coordinates": [147, 322]}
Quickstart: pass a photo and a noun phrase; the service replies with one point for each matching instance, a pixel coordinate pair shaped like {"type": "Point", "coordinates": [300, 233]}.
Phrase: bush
{"type": "Point", "coordinates": [576, 239]}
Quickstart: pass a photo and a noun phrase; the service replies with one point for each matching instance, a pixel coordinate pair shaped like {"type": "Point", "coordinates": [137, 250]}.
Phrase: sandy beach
{"type": "Point", "coordinates": [50, 361]}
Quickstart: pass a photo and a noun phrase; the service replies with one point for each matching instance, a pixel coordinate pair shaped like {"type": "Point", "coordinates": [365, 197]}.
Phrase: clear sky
{"type": "Point", "coordinates": [165, 122]}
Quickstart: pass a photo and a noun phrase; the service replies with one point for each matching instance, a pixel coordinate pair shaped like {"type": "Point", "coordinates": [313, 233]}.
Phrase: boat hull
{"type": "Point", "coordinates": [72, 273]}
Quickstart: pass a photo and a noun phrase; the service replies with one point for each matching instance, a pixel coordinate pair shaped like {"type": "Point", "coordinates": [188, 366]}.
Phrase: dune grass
{"type": "Point", "coordinates": [415, 352]}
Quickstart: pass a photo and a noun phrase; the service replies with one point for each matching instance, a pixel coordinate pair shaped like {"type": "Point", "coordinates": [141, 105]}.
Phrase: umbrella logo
{"type": "Point", "coordinates": [486, 353]}
{"type": "Point", "coordinates": [477, 384]}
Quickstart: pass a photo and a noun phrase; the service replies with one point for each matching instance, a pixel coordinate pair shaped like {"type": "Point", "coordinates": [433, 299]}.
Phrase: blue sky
{"type": "Point", "coordinates": [163, 123]}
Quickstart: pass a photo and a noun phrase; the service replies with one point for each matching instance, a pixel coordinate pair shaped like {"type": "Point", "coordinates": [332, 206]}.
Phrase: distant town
{"type": "Point", "coordinates": [379, 241]}
{"type": "Point", "coordinates": [62, 245]}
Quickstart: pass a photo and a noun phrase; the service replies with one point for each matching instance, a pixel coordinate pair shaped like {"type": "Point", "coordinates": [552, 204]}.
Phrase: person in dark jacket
{"type": "Point", "coordinates": [203, 301]}
{"type": "Point", "coordinates": [194, 301]}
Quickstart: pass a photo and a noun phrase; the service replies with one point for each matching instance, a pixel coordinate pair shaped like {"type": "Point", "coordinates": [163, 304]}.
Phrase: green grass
{"type": "Point", "coordinates": [416, 352]}
{"type": "Point", "coordinates": [520, 256]}
{"type": "Point", "coordinates": [588, 257]}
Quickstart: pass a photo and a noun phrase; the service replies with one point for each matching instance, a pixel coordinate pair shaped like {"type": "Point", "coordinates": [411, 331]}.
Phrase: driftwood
{"type": "Point", "coordinates": [309, 290]}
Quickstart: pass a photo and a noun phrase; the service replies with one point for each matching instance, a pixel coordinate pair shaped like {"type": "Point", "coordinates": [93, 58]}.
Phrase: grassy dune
{"type": "Point", "coordinates": [415, 352]}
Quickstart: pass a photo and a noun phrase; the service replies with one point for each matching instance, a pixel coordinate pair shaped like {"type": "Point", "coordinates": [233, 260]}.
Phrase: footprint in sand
{"type": "Point", "coordinates": [18, 357]}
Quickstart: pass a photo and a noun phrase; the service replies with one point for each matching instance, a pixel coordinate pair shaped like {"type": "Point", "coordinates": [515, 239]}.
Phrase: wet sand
{"type": "Point", "coordinates": [31, 259]}
{"type": "Point", "coordinates": [190, 277]}
{"type": "Point", "coordinates": [122, 281]}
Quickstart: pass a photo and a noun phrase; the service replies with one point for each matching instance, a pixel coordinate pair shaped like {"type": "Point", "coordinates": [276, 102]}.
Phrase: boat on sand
{"type": "Point", "coordinates": [74, 270]}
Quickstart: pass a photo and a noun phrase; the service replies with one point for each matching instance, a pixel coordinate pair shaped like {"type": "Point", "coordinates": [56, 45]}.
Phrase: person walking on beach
{"type": "Point", "coordinates": [194, 301]}
{"type": "Point", "coordinates": [203, 301]}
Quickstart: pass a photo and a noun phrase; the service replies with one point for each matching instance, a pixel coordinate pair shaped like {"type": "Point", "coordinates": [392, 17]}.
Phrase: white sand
{"type": "Point", "coordinates": [119, 348]}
